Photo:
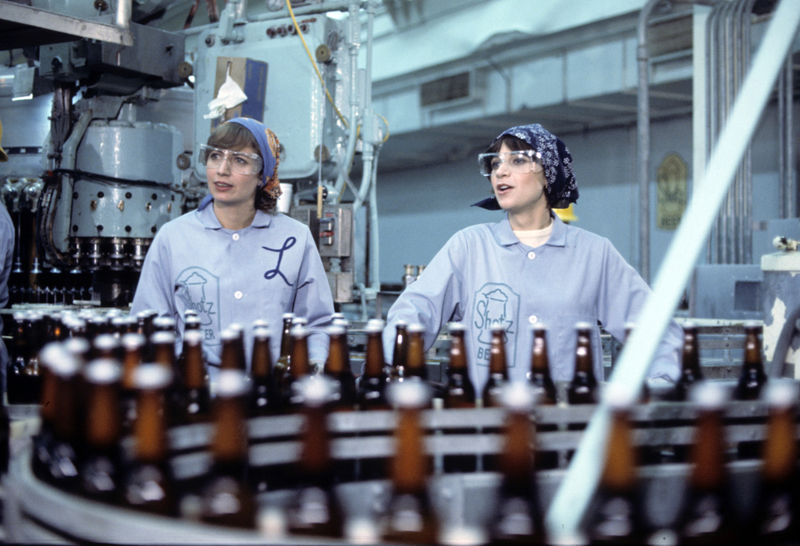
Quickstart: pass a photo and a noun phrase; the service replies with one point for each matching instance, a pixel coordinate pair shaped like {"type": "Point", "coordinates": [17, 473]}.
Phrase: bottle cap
{"type": "Point", "coordinates": [498, 327]}
{"type": "Point", "coordinates": [314, 390]}
{"type": "Point", "coordinates": [457, 327]}
{"type": "Point", "coordinates": [260, 323]}
{"type": "Point", "coordinates": [231, 383]}
{"type": "Point", "coordinates": [583, 325]}
{"type": "Point", "coordinates": [106, 342]}
{"type": "Point", "coordinates": [262, 333]}
{"type": "Point", "coordinates": [103, 371]}
{"type": "Point", "coordinates": [617, 397]}
{"type": "Point", "coordinates": [781, 393]}
{"type": "Point", "coordinates": [539, 326]}
{"type": "Point", "coordinates": [193, 337]}
{"type": "Point", "coordinates": [132, 341]}
{"type": "Point", "coordinates": [409, 394]}
{"type": "Point", "coordinates": [517, 396]}
{"type": "Point", "coordinates": [58, 360]}
{"type": "Point", "coordinates": [162, 337]}
{"type": "Point", "coordinates": [298, 331]}
{"type": "Point", "coordinates": [287, 316]}
{"type": "Point", "coordinates": [709, 395]}
{"type": "Point", "coordinates": [152, 376]}
{"type": "Point", "coordinates": [335, 330]}
{"type": "Point", "coordinates": [374, 325]}
{"type": "Point", "coordinates": [416, 327]}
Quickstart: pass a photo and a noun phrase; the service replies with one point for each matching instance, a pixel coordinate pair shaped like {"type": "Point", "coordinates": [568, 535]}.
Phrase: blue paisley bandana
{"type": "Point", "coordinates": [562, 189]}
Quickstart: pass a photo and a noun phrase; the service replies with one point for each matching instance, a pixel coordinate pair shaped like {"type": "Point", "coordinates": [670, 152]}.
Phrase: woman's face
{"type": "Point", "coordinates": [230, 188]}
{"type": "Point", "coordinates": [518, 192]}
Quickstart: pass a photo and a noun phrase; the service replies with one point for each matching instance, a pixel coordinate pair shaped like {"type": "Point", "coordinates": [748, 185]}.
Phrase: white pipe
{"type": "Point", "coordinates": [577, 489]}
{"type": "Point", "coordinates": [124, 13]}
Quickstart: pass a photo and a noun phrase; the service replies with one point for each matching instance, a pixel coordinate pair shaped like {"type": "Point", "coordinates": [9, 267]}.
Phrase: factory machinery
{"type": "Point", "coordinates": [120, 157]}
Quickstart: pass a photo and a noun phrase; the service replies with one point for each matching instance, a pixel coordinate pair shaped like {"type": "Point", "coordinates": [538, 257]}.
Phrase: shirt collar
{"type": "Point", "coordinates": [505, 235]}
{"type": "Point", "coordinates": [210, 221]}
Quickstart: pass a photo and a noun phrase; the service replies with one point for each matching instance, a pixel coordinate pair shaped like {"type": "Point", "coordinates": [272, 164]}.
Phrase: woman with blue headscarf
{"type": "Point", "coordinates": [529, 268]}
{"type": "Point", "coordinates": [235, 259]}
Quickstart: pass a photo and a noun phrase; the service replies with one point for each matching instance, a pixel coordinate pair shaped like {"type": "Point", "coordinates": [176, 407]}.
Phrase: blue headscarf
{"type": "Point", "coordinates": [259, 131]}
{"type": "Point", "coordinates": [562, 189]}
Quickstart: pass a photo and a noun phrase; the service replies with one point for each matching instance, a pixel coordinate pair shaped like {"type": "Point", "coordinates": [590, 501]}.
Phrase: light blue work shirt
{"type": "Point", "coordinates": [485, 275]}
{"type": "Point", "coordinates": [229, 276]}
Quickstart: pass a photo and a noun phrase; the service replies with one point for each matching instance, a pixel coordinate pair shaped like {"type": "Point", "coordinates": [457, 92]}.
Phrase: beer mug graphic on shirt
{"type": "Point", "coordinates": [198, 289]}
{"type": "Point", "coordinates": [494, 304]}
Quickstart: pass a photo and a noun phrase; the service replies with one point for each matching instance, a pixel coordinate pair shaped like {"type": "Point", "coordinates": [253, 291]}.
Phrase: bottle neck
{"type": "Point", "coordinates": [194, 372]}
{"type": "Point", "coordinates": [374, 359]}
{"type": "Point", "coordinates": [103, 420]}
{"type": "Point", "coordinates": [497, 356]}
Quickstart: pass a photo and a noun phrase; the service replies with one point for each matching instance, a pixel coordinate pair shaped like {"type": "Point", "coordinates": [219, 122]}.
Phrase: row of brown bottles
{"type": "Point", "coordinates": [707, 513]}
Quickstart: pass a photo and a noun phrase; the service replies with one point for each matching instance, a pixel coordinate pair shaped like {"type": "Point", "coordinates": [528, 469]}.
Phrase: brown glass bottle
{"type": "Point", "coordinates": [227, 498]}
{"type": "Point", "coordinates": [106, 346]}
{"type": "Point", "coordinates": [777, 515]}
{"type": "Point", "coordinates": [281, 370]}
{"type": "Point", "coordinates": [415, 366]}
{"type": "Point", "coordinates": [132, 347]}
{"type": "Point", "coordinates": [706, 516]}
{"type": "Point", "coordinates": [583, 387]}
{"type": "Point", "coordinates": [337, 367]}
{"type": "Point", "coordinates": [752, 378]}
{"type": "Point", "coordinates": [400, 351]}
{"type": "Point", "coordinates": [410, 517]}
{"type": "Point", "coordinates": [16, 379]}
{"type": "Point", "coordinates": [163, 346]}
{"type": "Point", "coordinates": [101, 462]}
{"type": "Point", "coordinates": [517, 517]}
{"type": "Point", "coordinates": [194, 396]}
{"type": "Point", "coordinates": [498, 366]}
{"type": "Point", "coordinates": [145, 328]}
{"type": "Point", "coordinates": [58, 368]}
{"type": "Point", "coordinates": [539, 375]}
{"type": "Point", "coordinates": [460, 392]}
{"type": "Point", "coordinates": [63, 460]}
{"type": "Point", "coordinates": [262, 400]}
{"type": "Point", "coordinates": [690, 363]}
{"type": "Point", "coordinates": [372, 387]}
{"type": "Point", "coordinates": [164, 324]}
{"type": "Point", "coordinates": [232, 357]}
{"type": "Point", "coordinates": [299, 367]}
{"type": "Point", "coordinates": [616, 514]}
{"type": "Point", "coordinates": [315, 509]}
{"type": "Point", "coordinates": [148, 482]}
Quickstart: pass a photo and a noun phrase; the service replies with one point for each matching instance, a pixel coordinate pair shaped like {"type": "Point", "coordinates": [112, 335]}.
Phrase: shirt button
{"type": "Point", "coordinates": [238, 295]}
{"type": "Point", "coordinates": [533, 319]}
{"type": "Point", "coordinates": [531, 255]}
{"type": "Point", "coordinates": [235, 236]}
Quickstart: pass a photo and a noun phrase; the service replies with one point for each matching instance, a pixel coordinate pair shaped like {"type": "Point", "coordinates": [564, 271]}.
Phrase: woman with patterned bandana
{"type": "Point", "coordinates": [529, 267]}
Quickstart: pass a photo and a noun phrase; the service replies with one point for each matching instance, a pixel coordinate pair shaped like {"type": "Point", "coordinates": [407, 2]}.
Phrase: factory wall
{"type": "Point", "coordinates": [421, 208]}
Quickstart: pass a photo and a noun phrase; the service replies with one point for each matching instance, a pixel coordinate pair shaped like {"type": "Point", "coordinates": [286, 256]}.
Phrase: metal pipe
{"type": "Point", "coordinates": [791, 187]}
{"type": "Point", "coordinates": [643, 145]}
{"type": "Point", "coordinates": [568, 507]}
{"type": "Point", "coordinates": [124, 8]}
{"type": "Point", "coordinates": [354, 43]}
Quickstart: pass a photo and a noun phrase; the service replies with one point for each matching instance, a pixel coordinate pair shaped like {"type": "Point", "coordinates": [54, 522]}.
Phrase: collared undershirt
{"type": "Point", "coordinates": [535, 237]}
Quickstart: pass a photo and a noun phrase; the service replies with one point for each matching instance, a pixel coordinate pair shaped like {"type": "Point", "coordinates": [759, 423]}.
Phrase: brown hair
{"type": "Point", "coordinates": [233, 136]}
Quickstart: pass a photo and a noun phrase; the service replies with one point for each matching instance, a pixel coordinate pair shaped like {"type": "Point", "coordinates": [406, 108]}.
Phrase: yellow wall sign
{"type": "Point", "coordinates": [672, 192]}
